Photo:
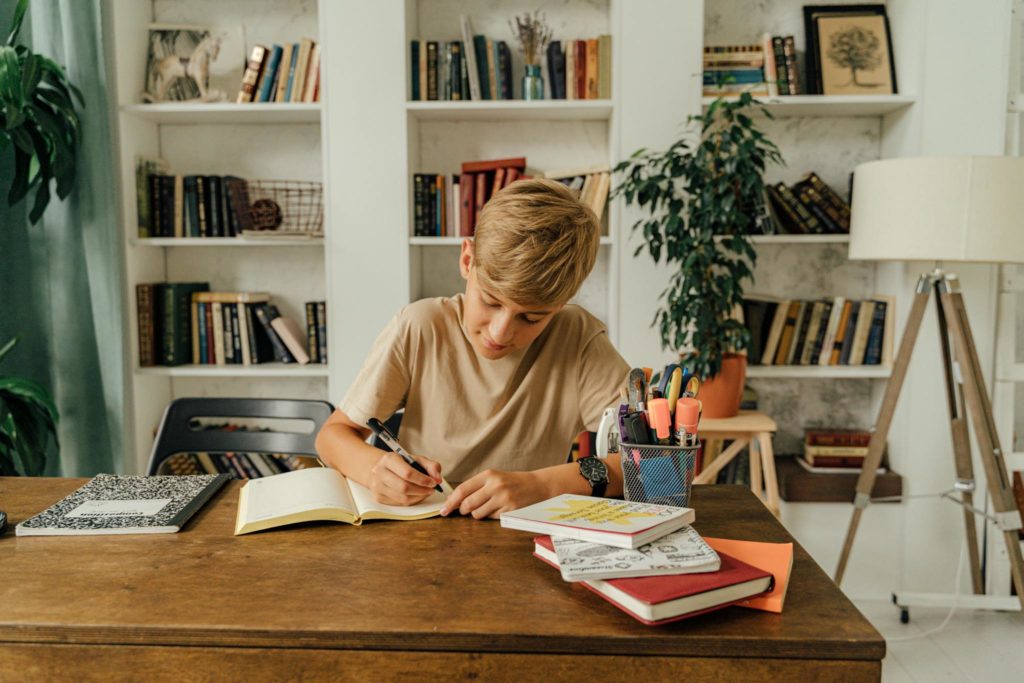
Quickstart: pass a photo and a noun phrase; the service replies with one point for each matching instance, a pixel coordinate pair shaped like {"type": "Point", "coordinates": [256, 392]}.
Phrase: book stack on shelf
{"type": "Point", "coordinates": [238, 465]}
{"type": "Point", "coordinates": [828, 467]}
{"type": "Point", "coordinates": [646, 560]}
{"type": "Point", "coordinates": [819, 332]}
{"type": "Point", "coordinates": [835, 451]}
{"type": "Point", "coordinates": [288, 73]}
{"type": "Point", "coordinates": [448, 206]}
{"type": "Point", "coordinates": [480, 68]}
{"type": "Point", "coordinates": [808, 207]}
{"type": "Point", "coordinates": [765, 69]}
{"type": "Point", "coordinates": [184, 322]}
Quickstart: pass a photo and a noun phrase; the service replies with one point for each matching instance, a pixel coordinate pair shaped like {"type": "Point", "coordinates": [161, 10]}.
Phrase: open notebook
{"type": "Point", "coordinates": [319, 493]}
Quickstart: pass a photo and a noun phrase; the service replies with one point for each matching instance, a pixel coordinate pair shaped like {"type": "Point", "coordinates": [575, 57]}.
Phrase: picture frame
{"type": "Point", "coordinates": [849, 50]}
{"type": "Point", "coordinates": [193, 63]}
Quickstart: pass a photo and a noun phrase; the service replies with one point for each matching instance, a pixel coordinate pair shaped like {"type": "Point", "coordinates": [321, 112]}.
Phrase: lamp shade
{"type": "Point", "coordinates": [939, 209]}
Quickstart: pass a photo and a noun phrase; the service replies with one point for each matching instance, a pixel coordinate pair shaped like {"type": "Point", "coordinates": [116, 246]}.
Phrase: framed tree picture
{"type": "Point", "coordinates": [849, 50]}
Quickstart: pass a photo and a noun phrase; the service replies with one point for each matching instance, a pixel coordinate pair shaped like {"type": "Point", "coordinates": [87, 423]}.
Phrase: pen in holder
{"type": "Point", "coordinates": [654, 473]}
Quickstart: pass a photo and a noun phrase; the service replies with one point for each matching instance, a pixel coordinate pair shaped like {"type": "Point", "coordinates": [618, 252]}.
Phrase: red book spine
{"type": "Point", "coordinates": [581, 69]}
{"type": "Point", "coordinates": [481, 197]}
{"type": "Point", "coordinates": [467, 189]}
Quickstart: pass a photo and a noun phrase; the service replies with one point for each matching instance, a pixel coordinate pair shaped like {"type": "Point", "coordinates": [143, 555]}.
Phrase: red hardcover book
{"type": "Point", "coordinates": [499, 181]}
{"type": "Point", "coordinates": [467, 190]}
{"type": "Point", "coordinates": [511, 175]}
{"type": "Point", "coordinates": [481, 196]}
{"type": "Point", "coordinates": [581, 69]}
{"type": "Point", "coordinates": [493, 164]}
{"type": "Point", "coordinates": [656, 600]}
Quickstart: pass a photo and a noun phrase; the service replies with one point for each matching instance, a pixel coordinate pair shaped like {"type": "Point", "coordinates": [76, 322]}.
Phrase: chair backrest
{"type": "Point", "coordinates": [178, 434]}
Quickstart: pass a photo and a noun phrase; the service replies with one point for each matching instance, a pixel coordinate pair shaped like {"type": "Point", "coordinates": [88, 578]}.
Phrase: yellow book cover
{"type": "Point", "coordinates": [320, 494]}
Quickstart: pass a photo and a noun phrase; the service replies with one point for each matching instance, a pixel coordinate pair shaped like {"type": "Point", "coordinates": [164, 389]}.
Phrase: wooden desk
{"type": "Point", "coordinates": [750, 428]}
{"type": "Point", "coordinates": [437, 599]}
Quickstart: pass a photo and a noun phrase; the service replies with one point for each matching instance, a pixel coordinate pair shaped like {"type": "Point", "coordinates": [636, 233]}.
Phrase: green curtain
{"type": "Point", "coordinates": [62, 279]}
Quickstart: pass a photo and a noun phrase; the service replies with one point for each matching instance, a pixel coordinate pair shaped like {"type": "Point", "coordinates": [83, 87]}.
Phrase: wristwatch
{"type": "Point", "coordinates": [596, 473]}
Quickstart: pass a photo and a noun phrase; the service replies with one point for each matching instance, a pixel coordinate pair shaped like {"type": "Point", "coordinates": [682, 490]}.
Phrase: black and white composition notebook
{"type": "Point", "coordinates": [116, 504]}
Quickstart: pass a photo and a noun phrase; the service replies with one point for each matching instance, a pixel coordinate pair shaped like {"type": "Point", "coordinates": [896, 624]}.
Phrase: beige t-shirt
{"type": "Point", "coordinates": [520, 412]}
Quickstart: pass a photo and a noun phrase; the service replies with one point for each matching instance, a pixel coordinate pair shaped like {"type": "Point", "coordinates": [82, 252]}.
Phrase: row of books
{"type": "Point", "coordinates": [288, 73]}
{"type": "Point", "coordinates": [448, 205]}
{"type": "Point", "coordinates": [184, 322]}
{"type": "Point", "coordinates": [808, 207]}
{"type": "Point", "coordinates": [648, 561]}
{"type": "Point", "coordinates": [480, 68]}
{"type": "Point", "coordinates": [819, 332]}
{"type": "Point", "coordinates": [190, 205]}
{"type": "Point", "coordinates": [765, 69]}
{"type": "Point", "coordinates": [238, 465]}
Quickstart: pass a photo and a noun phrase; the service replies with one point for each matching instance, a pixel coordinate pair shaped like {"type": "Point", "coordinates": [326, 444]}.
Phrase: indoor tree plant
{"type": "Point", "coordinates": [38, 116]}
{"type": "Point", "coordinates": [704, 198]}
{"type": "Point", "coordinates": [28, 417]}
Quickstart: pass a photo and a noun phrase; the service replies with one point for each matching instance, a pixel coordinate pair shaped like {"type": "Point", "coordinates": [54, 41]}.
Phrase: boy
{"type": "Point", "coordinates": [496, 382]}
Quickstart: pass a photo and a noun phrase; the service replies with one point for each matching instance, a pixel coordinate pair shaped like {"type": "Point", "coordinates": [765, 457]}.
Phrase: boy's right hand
{"type": "Point", "coordinates": [394, 482]}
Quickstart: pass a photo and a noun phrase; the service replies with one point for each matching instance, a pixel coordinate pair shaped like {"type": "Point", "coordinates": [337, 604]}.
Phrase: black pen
{"type": "Point", "coordinates": [389, 439]}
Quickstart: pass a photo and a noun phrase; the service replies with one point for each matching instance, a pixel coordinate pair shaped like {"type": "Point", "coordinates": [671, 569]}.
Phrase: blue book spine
{"type": "Point", "coordinates": [201, 322]}
{"type": "Point", "coordinates": [291, 72]}
{"type": "Point", "coordinates": [267, 82]}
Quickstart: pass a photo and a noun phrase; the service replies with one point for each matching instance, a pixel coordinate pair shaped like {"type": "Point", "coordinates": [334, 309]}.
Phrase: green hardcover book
{"type": "Point", "coordinates": [177, 324]}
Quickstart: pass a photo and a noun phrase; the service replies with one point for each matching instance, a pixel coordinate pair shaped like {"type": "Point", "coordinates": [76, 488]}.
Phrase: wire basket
{"type": "Point", "coordinates": [658, 474]}
{"type": "Point", "coordinates": [284, 207]}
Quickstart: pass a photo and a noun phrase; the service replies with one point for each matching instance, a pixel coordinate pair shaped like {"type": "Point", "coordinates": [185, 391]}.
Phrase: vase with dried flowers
{"type": "Point", "coordinates": [533, 35]}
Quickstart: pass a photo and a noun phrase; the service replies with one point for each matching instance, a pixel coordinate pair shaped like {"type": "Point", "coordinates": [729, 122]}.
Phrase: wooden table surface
{"type": "Point", "coordinates": [442, 586]}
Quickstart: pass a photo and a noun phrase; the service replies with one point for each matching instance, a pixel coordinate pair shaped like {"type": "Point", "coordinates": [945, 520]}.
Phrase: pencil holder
{"type": "Point", "coordinates": [657, 474]}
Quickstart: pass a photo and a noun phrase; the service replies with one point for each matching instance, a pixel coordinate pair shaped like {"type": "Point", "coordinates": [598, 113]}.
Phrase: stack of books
{"type": "Point", "coordinates": [480, 68]}
{"type": "Point", "coordinates": [734, 69]}
{"type": "Point", "coordinates": [288, 73]}
{"type": "Point", "coordinates": [184, 322]}
{"type": "Point", "coordinates": [238, 465]}
{"type": "Point", "coordinates": [171, 205]}
{"type": "Point", "coordinates": [646, 560]}
{"type": "Point", "coordinates": [833, 331]}
{"type": "Point", "coordinates": [808, 207]}
{"type": "Point", "coordinates": [835, 451]}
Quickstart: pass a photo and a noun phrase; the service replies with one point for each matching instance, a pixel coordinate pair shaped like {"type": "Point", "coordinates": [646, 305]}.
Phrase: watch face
{"type": "Point", "coordinates": [594, 469]}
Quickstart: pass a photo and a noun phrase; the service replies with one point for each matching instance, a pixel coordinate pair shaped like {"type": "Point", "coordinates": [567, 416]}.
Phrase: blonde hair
{"type": "Point", "coordinates": [535, 243]}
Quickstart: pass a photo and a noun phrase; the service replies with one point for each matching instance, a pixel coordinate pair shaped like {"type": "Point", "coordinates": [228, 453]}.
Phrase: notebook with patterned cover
{"type": "Point", "coordinates": [116, 504]}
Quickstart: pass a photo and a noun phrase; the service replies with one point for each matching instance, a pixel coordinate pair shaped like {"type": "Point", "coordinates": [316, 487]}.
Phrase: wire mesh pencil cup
{"type": "Point", "coordinates": [658, 474]}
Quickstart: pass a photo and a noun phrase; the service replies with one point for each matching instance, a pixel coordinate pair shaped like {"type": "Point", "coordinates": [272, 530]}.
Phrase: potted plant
{"type": "Point", "coordinates": [704, 198]}
{"type": "Point", "coordinates": [38, 116]}
{"type": "Point", "coordinates": [28, 417]}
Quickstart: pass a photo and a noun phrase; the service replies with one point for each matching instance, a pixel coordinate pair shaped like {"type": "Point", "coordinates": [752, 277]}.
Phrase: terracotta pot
{"type": "Point", "coordinates": [720, 396]}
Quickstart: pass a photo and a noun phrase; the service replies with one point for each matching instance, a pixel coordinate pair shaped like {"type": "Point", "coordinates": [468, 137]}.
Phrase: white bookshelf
{"type": "Point", "coordinates": [830, 105]}
{"type": "Point", "coordinates": [225, 113]}
{"type": "Point", "coordinates": [512, 110]}
{"type": "Point", "coordinates": [818, 372]}
{"type": "Point", "coordinates": [255, 141]}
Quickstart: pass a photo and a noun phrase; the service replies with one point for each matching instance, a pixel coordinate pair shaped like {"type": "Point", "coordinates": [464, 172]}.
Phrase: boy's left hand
{"type": "Point", "coordinates": [492, 492]}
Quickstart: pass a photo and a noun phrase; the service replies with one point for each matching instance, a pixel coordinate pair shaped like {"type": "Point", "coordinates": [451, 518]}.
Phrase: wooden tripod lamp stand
{"type": "Point", "coordinates": [961, 209]}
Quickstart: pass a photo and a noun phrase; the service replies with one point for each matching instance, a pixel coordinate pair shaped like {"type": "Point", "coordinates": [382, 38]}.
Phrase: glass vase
{"type": "Point", "coordinates": [533, 83]}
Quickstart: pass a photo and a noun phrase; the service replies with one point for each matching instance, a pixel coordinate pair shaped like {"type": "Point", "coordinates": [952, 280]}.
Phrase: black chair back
{"type": "Point", "coordinates": [178, 435]}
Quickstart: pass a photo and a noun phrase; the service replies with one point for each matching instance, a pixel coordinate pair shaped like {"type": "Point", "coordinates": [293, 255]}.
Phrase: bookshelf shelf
{"type": "Point", "coordinates": [818, 372]}
{"type": "Point", "coordinates": [262, 370]}
{"type": "Point", "coordinates": [831, 105]}
{"type": "Point", "coordinates": [797, 239]}
{"type": "Point", "coordinates": [511, 110]}
{"type": "Point", "coordinates": [456, 241]}
{"type": "Point", "coordinates": [225, 113]}
{"type": "Point", "coordinates": [224, 242]}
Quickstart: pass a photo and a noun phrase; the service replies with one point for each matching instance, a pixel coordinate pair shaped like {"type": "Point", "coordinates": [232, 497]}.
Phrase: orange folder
{"type": "Point", "coordinates": [775, 558]}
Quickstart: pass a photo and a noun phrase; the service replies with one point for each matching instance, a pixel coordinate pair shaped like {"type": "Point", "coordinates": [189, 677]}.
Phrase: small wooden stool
{"type": "Point", "coordinates": [749, 428]}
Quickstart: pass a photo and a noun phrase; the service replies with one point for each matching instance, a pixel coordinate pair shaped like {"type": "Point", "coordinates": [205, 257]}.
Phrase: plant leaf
{"type": "Point", "coordinates": [7, 348]}
{"type": "Point", "coordinates": [19, 16]}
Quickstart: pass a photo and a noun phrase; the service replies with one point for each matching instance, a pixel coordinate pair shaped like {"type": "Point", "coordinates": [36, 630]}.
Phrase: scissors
{"type": "Point", "coordinates": [677, 381]}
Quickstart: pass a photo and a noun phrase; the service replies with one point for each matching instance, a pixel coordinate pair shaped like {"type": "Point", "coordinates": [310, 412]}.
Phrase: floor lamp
{"type": "Point", "coordinates": [944, 209]}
